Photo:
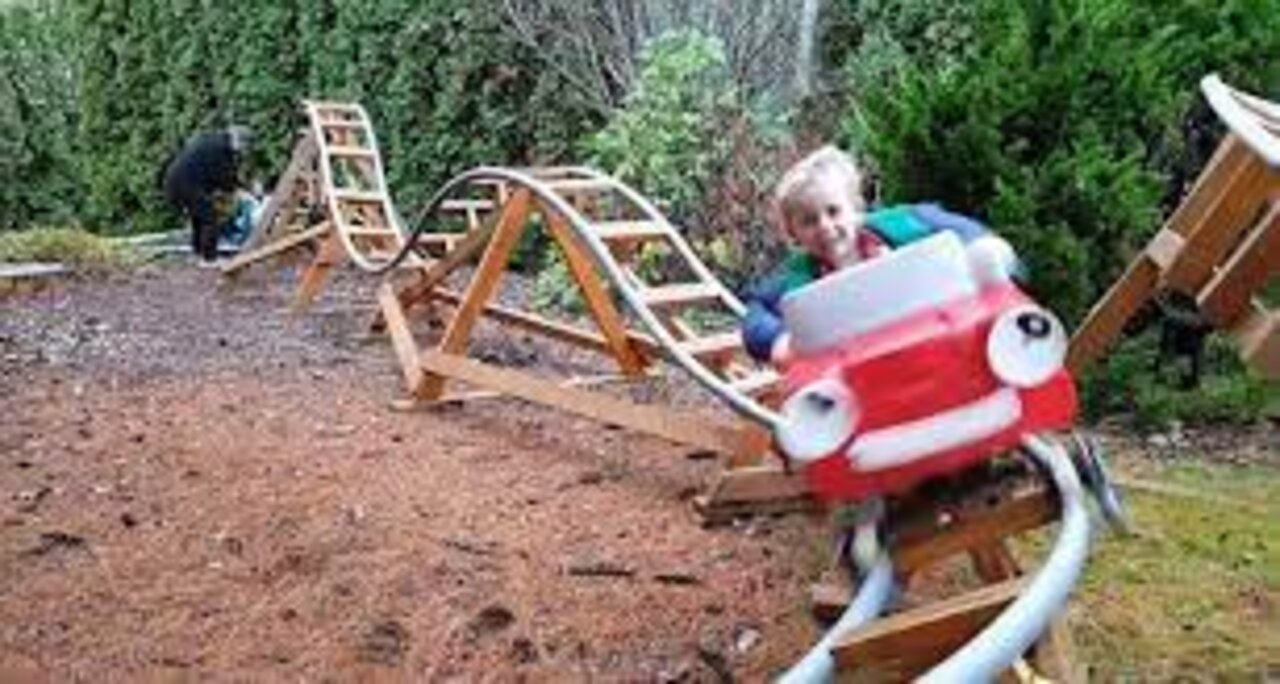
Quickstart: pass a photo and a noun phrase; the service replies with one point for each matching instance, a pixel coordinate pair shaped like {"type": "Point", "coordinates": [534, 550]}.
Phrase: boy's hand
{"type": "Point", "coordinates": [781, 353]}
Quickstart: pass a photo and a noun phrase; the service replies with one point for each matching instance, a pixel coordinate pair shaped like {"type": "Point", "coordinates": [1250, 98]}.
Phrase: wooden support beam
{"type": "Point", "coordinates": [906, 644]}
{"type": "Point", "coordinates": [555, 330]}
{"type": "Point", "coordinates": [287, 193]}
{"type": "Point", "coordinates": [284, 244]}
{"type": "Point", "coordinates": [331, 253]}
{"type": "Point", "coordinates": [599, 302]}
{"type": "Point", "coordinates": [1225, 300]}
{"type": "Point", "coordinates": [1209, 240]}
{"type": "Point", "coordinates": [397, 327]}
{"type": "Point", "coordinates": [679, 427]}
{"type": "Point", "coordinates": [484, 284]}
{"type": "Point", "coordinates": [754, 490]}
{"type": "Point", "coordinates": [927, 541]}
{"type": "Point", "coordinates": [1183, 253]}
{"type": "Point", "coordinates": [1258, 336]}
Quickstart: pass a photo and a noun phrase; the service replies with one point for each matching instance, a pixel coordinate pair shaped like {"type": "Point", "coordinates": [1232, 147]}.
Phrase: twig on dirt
{"type": "Point", "coordinates": [599, 569]}
{"type": "Point", "coordinates": [476, 548]}
{"type": "Point", "coordinates": [677, 578]}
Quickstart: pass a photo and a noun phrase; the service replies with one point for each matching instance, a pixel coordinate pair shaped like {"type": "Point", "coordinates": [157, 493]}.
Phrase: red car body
{"type": "Point", "coordinates": [927, 393]}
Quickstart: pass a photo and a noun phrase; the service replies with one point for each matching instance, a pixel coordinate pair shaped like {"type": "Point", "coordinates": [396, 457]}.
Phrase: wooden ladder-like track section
{"type": "Point", "coordinates": [610, 237]}
{"type": "Point", "coordinates": [333, 199]}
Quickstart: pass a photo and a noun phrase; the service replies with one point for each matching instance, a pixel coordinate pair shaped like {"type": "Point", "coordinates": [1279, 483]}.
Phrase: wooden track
{"type": "Point", "coordinates": [680, 313]}
{"type": "Point", "coordinates": [333, 199]}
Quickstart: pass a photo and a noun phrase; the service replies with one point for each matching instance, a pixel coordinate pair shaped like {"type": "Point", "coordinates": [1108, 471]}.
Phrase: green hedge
{"type": "Point", "coordinates": [1072, 126]}
{"type": "Point", "coordinates": [446, 90]}
{"type": "Point", "coordinates": [38, 173]}
{"type": "Point", "coordinates": [1068, 124]}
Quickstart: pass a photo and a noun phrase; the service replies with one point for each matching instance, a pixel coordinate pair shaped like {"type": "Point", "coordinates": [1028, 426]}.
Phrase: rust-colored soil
{"type": "Point", "coordinates": [195, 484]}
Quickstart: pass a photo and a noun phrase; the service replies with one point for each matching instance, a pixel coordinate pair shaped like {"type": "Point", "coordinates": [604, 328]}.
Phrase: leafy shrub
{"type": "Point", "coordinates": [71, 246]}
{"type": "Point", "coordinates": [690, 141]}
{"type": "Point", "coordinates": [1135, 381]}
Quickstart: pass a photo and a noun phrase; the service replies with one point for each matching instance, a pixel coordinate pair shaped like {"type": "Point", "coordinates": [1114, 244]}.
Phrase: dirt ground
{"type": "Point", "coordinates": [196, 484]}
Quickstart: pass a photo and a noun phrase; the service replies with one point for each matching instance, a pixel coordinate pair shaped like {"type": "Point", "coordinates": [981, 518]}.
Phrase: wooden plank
{"type": "Point", "coordinates": [1223, 169]}
{"type": "Point", "coordinates": [759, 382]}
{"type": "Point", "coordinates": [680, 294]}
{"type": "Point", "coordinates": [1258, 336]}
{"type": "Point", "coordinates": [484, 283]}
{"type": "Point", "coordinates": [1231, 164]}
{"type": "Point", "coordinates": [466, 205]}
{"type": "Point", "coordinates": [906, 644]}
{"type": "Point", "coordinates": [1209, 241]}
{"type": "Point", "coordinates": [358, 196]}
{"type": "Point", "coordinates": [351, 151]}
{"type": "Point", "coordinates": [657, 421]}
{"type": "Point", "coordinates": [753, 490]}
{"type": "Point", "coordinates": [555, 330]}
{"type": "Point", "coordinates": [276, 247]}
{"type": "Point", "coordinates": [397, 327]}
{"type": "Point", "coordinates": [371, 231]}
{"type": "Point", "coordinates": [915, 547]}
{"type": "Point", "coordinates": [435, 273]}
{"type": "Point", "coordinates": [629, 230]}
{"type": "Point", "coordinates": [715, 347]}
{"type": "Point", "coordinates": [331, 253]}
{"type": "Point", "coordinates": [598, 300]}
{"type": "Point", "coordinates": [1107, 318]}
{"type": "Point", "coordinates": [1226, 298]}
{"type": "Point", "coordinates": [579, 185]}
{"type": "Point", "coordinates": [580, 381]}
{"type": "Point", "coordinates": [287, 192]}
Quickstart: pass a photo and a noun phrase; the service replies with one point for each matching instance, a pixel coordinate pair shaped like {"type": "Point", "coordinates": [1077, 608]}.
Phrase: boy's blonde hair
{"type": "Point", "coordinates": [789, 195]}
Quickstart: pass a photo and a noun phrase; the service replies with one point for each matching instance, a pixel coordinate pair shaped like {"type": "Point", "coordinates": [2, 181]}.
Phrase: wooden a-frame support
{"type": "Point", "coordinates": [428, 371]}
{"type": "Point", "coordinates": [1220, 246]}
{"type": "Point", "coordinates": [332, 199]}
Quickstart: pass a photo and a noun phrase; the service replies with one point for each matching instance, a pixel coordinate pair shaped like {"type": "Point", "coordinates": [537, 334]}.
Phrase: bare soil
{"type": "Point", "coordinates": [195, 484]}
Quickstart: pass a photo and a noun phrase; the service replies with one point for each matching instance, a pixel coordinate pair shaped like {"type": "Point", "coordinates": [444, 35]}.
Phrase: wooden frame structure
{"type": "Point", "coordinates": [599, 227]}
{"type": "Point", "coordinates": [333, 199]}
{"type": "Point", "coordinates": [1221, 246]}
{"type": "Point", "coordinates": [924, 533]}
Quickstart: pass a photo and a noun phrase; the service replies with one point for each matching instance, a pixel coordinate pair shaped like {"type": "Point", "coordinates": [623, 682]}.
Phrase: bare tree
{"type": "Point", "coordinates": [594, 45]}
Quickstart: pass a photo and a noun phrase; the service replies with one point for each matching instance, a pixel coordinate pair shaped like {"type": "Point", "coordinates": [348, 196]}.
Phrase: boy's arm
{"type": "Point", "coordinates": [762, 327]}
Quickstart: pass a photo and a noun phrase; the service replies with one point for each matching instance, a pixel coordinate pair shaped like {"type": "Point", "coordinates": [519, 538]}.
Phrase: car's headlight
{"type": "Point", "coordinates": [817, 419]}
{"type": "Point", "coordinates": [1027, 346]}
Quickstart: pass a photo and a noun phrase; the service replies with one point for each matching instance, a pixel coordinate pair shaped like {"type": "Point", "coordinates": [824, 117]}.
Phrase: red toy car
{"type": "Point", "coordinates": [923, 361]}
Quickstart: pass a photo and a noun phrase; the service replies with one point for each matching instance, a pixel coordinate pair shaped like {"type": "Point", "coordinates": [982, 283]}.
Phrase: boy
{"type": "Point", "coordinates": [819, 206]}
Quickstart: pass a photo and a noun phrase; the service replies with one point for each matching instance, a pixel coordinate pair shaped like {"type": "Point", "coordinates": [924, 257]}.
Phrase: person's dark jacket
{"type": "Point", "coordinates": [207, 163]}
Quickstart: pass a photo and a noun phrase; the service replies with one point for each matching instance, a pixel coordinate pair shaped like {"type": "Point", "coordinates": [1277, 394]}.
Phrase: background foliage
{"type": "Point", "coordinates": [120, 84]}
{"type": "Point", "coordinates": [1071, 126]}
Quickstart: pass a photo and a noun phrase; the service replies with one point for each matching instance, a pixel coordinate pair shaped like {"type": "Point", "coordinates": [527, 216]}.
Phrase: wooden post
{"type": "Point", "coordinates": [598, 300]}
{"type": "Point", "coordinates": [511, 225]}
{"type": "Point", "coordinates": [331, 253]}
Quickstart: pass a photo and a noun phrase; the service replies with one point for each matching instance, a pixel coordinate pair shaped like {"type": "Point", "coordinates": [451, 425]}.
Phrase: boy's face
{"type": "Point", "coordinates": [824, 220]}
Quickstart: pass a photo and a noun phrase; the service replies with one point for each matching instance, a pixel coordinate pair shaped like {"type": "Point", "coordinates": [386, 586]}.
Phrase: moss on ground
{"type": "Point", "coordinates": [71, 246]}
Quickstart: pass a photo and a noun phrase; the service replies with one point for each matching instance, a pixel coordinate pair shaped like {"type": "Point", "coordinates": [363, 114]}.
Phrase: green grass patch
{"type": "Point", "coordinates": [74, 247]}
{"type": "Point", "coordinates": [1196, 594]}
